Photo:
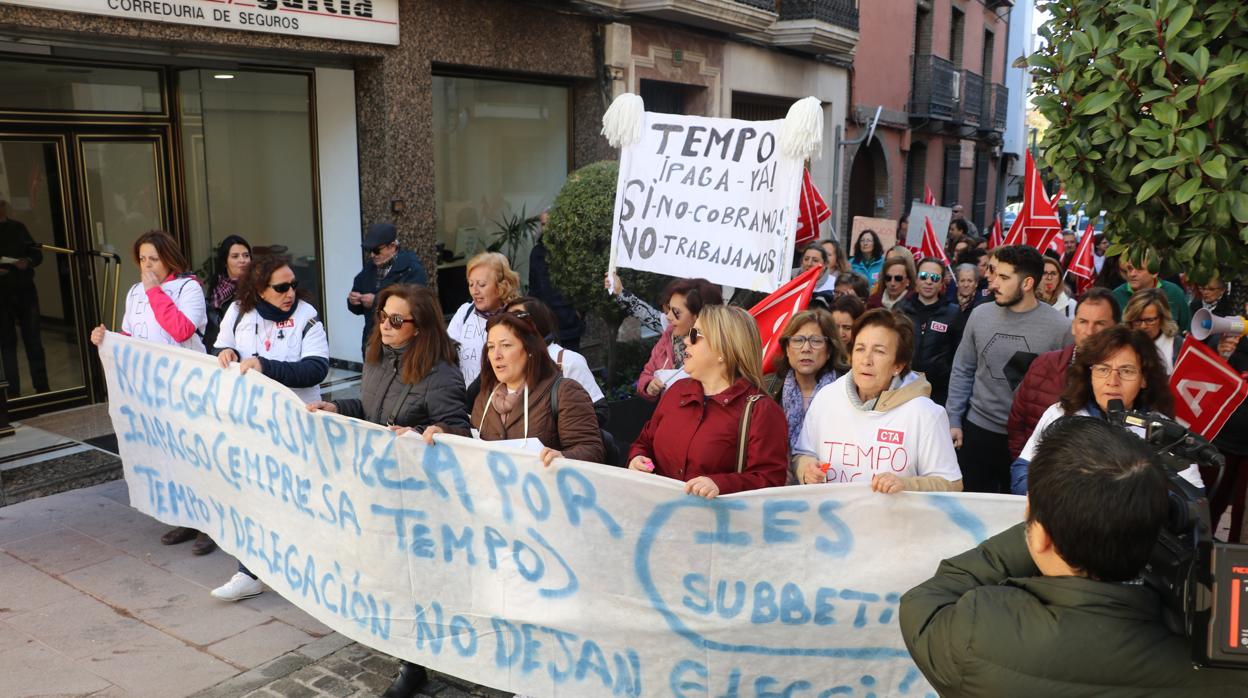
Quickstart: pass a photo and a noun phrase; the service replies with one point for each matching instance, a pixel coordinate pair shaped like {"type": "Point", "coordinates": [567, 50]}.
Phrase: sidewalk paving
{"type": "Point", "coordinates": [91, 604]}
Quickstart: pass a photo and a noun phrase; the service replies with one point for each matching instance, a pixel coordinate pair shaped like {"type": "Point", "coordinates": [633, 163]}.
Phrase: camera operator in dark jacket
{"type": "Point", "coordinates": [387, 265]}
{"type": "Point", "coordinates": [935, 327]}
{"type": "Point", "coordinates": [1053, 606]}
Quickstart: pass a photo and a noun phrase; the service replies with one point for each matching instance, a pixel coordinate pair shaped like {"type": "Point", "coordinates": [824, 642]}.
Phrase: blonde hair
{"type": "Point", "coordinates": [894, 257]}
{"type": "Point", "coordinates": [734, 335]}
{"type": "Point", "coordinates": [1139, 302]}
{"type": "Point", "coordinates": [508, 281]}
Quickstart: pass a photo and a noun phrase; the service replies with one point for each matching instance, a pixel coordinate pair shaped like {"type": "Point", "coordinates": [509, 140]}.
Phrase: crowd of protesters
{"type": "Point", "coordinates": [964, 366]}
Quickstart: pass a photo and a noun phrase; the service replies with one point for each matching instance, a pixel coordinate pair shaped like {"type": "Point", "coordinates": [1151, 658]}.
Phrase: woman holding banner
{"type": "Point", "coordinates": [524, 398]}
{"type": "Point", "coordinates": [410, 380]}
{"type": "Point", "coordinates": [811, 357]}
{"type": "Point", "coordinates": [716, 430]}
{"type": "Point", "coordinates": [270, 330]}
{"type": "Point", "coordinates": [683, 300]}
{"type": "Point", "coordinates": [1117, 363]}
{"type": "Point", "coordinates": [877, 424]}
{"type": "Point", "coordinates": [166, 307]}
{"type": "Point", "coordinates": [492, 285]}
{"type": "Point", "coordinates": [868, 256]}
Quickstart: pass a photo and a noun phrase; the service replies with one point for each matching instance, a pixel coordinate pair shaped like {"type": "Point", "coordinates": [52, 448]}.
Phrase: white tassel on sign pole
{"type": "Point", "coordinates": [622, 127]}
{"type": "Point", "coordinates": [623, 121]}
{"type": "Point", "coordinates": [801, 134]}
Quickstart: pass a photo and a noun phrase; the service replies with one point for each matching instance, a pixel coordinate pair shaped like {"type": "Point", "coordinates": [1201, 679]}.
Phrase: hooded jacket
{"type": "Point", "coordinates": [438, 398]}
{"type": "Point", "coordinates": [988, 624]}
{"type": "Point", "coordinates": [935, 341]}
{"type": "Point", "coordinates": [901, 432]}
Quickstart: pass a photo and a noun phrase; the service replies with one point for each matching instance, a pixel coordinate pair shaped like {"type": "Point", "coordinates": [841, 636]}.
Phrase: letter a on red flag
{"type": "Point", "coordinates": [1082, 265]}
{"type": "Point", "coordinates": [773, 312]}
{"type": "Point", "coordinates": [931, 244]}
{"type": "Point", "coordinates": [812, 210]}
{"type": "Point", "coordinates": [1207, 391]}
{"type": "Point", "coordinates": [1037, 223]}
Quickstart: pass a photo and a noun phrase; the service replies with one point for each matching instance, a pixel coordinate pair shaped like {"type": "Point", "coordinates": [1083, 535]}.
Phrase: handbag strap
{"type": "Point", "coordinates": [744, 431]}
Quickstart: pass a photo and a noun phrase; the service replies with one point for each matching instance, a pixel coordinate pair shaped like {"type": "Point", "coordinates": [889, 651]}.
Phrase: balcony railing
{"type": "Point", "coordinates": [842, 13]}
{"type": "Point", "coordinates": [934, 88]}
{"type": "Point", "coordinates": [998, 100]}
{"type": "Point", "coordinates": [972, 94]}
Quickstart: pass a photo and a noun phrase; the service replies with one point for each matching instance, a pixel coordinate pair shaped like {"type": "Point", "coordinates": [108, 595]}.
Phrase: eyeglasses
{"type": "Point", "coordinates": [896, 278]}
{"type": "Point", "coordinates": [801, 340]}
{"type": "Point", "coordinates": [933, 276]}
{"type": "Point", "coordinates": [378, 249]}
{"type": "Point", "coordinates": [694, 336]}
{"type": "Point", "coordinates": [396, 321]}
{"type": "Point", "coordinates": [1127, 374]}
{"type": "Point", "coordinates": [1146, 321]}
{"type": "Point", "coordinates": [286, 286]}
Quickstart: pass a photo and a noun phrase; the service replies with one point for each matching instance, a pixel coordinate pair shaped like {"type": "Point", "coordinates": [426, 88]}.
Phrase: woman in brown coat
{"type": "Point", "coordinates": [518, 380]}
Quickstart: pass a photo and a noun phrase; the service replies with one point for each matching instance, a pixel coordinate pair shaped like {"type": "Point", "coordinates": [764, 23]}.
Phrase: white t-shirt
{"type": "Point", "coordinates": [468, 328]}
{"type": "Point", "coordinates": [577, 368]}
{"type": "Point", "coordinates": [140, 320]}
{"type": "Point", "coordinates": [1165, 349]}
{"type": "Point", "coordinates": [300, 336]}
{"type": "Point", "coordinates": [1192, 474]}
{"type": "Point", "coordinates": [909, 440]}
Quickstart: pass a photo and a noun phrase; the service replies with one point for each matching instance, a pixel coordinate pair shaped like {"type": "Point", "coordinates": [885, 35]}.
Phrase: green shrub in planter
{"type": "Point", "coordinates": [578, 236]}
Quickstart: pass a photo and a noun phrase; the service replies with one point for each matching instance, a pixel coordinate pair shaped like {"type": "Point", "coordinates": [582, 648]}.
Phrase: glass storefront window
{"type": "Point", "coordinates": [499, 148]}
{"type": "Point", "coordinates": [55, 87]}
{"type": "Point", "coordinates": [247, 160]}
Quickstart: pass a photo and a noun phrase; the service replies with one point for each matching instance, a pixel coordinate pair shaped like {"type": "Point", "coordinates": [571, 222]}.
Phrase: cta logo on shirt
{"type": "Point", "coordinates": [890, 436]}
{"type": "Point", "coordinates": [939, 326]}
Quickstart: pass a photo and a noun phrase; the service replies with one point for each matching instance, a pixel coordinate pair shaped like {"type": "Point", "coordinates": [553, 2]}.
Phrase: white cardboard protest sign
{"type": "Point", "coordinates": [574, 580]}
{"type": "Point", "coordinates": [710, 198]}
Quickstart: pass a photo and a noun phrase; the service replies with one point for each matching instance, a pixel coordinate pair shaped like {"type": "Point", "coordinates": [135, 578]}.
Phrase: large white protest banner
{"type": "Point", "coordinates": [573, 580]}
{"type": "Point", "coordinates": [710, 198]}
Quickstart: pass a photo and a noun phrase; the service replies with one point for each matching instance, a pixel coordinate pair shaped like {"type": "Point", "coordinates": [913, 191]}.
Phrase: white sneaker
{"type": "Point", "coordinates": [238, 588]}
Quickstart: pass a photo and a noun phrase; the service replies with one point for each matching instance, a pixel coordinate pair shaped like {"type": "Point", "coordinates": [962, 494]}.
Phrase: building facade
{"type": "Point", "coordinates": [937, 68]}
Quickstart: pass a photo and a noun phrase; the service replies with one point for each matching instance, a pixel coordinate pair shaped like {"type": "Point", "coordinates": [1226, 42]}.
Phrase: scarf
{"type": "Point", "coordinates": [505, 402]}
{"type": "Point", "coordinates": [489, 314]}
{"type": "Point", "coordinates": [856, 400]}
{"type": "Point", "coordinates": [223, 292]}
{"type": "Point", "coordinates": [793, 404]}
{"type": "Point", "coordinates": [272, 313]}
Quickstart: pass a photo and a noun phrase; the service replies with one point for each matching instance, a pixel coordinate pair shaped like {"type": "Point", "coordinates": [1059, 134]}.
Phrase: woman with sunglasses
{"type": "Point", "coordinates": [811, 357]}
{"type": "Point", "coordinates": [1117, 363]}
{"type": "Point", "coordinates": [876, 424]}
{"type": "Point", "coordinates": [682, 300]}
{"type": "Point", "coordinates": [519, 382]}
{"type": "Point", "coordinates": [492, 285]}
{"type": "Point", "coordinates": [695, 434]}
{"type": "Point", "coordinates": [895, 284]}
{"type": "Point", "coordinates": [166, 307]}
{"type": "Point", "coordinates": [936, 327]}
{"type": "Point", "coordinates": [270, 330]}
{"type": "Point", "coordinates": [410, 380]}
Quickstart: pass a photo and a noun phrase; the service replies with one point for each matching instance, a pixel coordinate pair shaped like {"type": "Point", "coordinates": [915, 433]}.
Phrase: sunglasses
{"type": "Point", "coordinates": [378, 249]}
{"type": "Point", "coordinates": [286, 286]}
{"type": "Point", "coordinates": [694, 336]}
{"type": "Point", "coordinates": [896, 278]}
{"type": "Point", "coordinates": [929, 276]}
{"type": "Point", "coordinates": [396, 321]}
{"type": "Point", "coordinates": [522, 314]}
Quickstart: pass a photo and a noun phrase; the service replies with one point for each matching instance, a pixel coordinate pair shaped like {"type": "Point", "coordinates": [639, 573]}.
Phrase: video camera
{"type": "Point", "coordinates": [1203, 583]}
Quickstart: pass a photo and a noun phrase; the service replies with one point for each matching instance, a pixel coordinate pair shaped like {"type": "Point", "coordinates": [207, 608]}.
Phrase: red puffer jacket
{"type": "Point", "coordinates": [1044, 382]}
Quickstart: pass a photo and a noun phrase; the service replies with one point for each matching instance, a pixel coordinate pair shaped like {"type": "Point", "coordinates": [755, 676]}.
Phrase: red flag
{"type": "Point", "coordinates": [928, 197]}
{"type": "Point", "coordinates": [996, 239]}
{"type": "Point", "coordinates": [931, 243]}
{"type": "Point", "coordinates": [773, 312]}
{"type": "Point", "coordinates": [1206, 389]}
{"type": "Point", "coordinates": [1037, 224]}
{"type": "Point", "coordinates": [1082, 266]}
{"type": "Point", "coordinates": [812, 210]}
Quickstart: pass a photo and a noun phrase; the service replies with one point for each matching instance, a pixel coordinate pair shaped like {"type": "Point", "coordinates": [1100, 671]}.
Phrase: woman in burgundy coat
{"type": "Point", "coordinates": [695, 432]}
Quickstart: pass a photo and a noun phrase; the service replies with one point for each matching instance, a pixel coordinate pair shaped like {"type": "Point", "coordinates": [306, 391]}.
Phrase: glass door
{"type": "Point", "coordinates": [123, 191]}
{"type": "Point", "coordinates": [42, 335]}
